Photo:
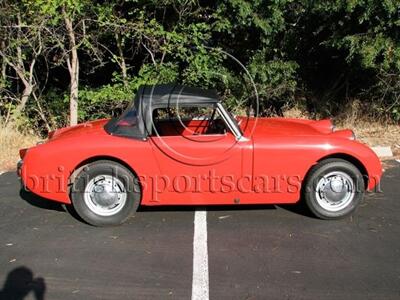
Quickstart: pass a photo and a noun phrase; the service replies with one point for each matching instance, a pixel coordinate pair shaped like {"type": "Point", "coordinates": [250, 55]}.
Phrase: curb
{"type": "Point", "coordinates": [382, 151]}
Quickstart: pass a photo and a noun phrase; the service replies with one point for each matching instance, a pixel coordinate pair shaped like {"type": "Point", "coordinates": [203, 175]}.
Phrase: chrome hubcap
{"type": "Point", "coordinates": [105, 195]}
{"type": "Point", "coordinates": [335, 191]}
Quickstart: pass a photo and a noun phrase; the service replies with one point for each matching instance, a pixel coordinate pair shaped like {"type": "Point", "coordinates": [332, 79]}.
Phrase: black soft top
{"type": "Point", "coordinates": [136, 120]}
{"type": "Point", "coordinates": [165, 94]}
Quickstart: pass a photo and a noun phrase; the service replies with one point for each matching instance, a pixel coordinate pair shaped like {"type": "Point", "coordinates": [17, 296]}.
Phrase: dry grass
{"type": "Point", "coordinates": [296, 113]}
{"type": "Point", "coordinates": [10, 142]}
{"type": "Point", "coordinates": [375, 133]}
{"type": "Point", "coordinates": [372, 131]}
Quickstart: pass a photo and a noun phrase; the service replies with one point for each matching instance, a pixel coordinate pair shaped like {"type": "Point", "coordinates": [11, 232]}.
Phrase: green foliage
{"type": "Point", "coordinates": [322, 51]}
{"type": "Point", "coordinates": [53, 8]}
{"type": "Point", "coordinates": [376, 48]}
{"type": "Point", "coordinates": [275, 81]}
{"type": "Point", "coordinates": [111, 99]}
{"type": "Point", "coordinates": [374, 38]}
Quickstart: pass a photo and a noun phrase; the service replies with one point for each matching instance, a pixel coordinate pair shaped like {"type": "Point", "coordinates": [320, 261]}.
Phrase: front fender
{"type": "Point", "coordinates": [363, 155]}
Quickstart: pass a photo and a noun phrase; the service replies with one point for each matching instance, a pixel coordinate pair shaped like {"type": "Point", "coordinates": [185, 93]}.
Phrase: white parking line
{"type": "Point", "coordinates": [200, 289]}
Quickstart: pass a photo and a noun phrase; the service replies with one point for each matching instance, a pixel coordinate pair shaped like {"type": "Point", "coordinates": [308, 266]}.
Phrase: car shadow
{"type": "Point", "coordinates": [208, 208]}
{"type": "Point", "coordinates": [298, 208]}
{"type": "Point", "coordinates": [38, 201]}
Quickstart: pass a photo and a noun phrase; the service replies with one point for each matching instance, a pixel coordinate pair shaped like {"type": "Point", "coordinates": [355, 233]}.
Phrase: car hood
{"type": "Point", "coordinates": [291, 127]}
{"type": "Point", "coordinates": [92, 127]}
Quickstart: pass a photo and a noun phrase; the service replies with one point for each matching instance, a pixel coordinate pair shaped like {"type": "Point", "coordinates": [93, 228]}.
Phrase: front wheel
{"type": "Point", "coordinates": [333, 189]}
{"type": "Point", "coordinates": [105, 193]}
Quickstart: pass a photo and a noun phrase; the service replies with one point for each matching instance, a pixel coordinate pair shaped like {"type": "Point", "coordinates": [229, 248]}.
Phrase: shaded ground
{"type": "Point", "coordinates": [262, 252]}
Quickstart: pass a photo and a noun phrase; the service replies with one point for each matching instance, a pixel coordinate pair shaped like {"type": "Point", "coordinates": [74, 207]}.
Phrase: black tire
{"type": "Point", "coordinates": [119, 174]}
{"type": "Point", "coordinates": [313, 198]}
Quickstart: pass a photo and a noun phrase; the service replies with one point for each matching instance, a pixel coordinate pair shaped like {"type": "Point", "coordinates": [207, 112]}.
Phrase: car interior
{"type": "Point", "coordinates": [186, 121]}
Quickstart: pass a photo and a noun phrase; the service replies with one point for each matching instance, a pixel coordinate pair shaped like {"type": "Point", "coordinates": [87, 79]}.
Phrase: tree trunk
{"type": "Point", "coordinates": [120, 45]}
{"type": "Point", "coordinates": [3, 70]}
{"type": "Point", "coordinates": [27, 82]}
{"type": "Point", "coordinates": [24, 98]}
{"type": "Point", "coordinates": [73, 67]}
{"type": "Point", "coordinates": [41, 113]}
{"type": "Point", "coordinates": [73, 97]}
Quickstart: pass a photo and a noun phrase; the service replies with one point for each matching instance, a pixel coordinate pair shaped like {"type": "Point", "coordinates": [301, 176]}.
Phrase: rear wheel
{"type": "Point", "coordinates": [105, 193]}
{"type": "Point", "coordinates": [334, 188]}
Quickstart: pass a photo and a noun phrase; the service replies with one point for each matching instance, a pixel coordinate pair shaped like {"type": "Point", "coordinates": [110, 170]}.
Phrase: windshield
{"type": "Point", "coordinates": [231, 119]}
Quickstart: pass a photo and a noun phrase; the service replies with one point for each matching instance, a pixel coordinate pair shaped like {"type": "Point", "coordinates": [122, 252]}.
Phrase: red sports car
{"type": "Point", "coordinates": [178, 145]}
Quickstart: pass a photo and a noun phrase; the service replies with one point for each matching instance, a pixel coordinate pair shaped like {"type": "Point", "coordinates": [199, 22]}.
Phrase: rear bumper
{"type": "Point", "coordinates": [19, 167]}
{"type": "Point", "coordinates": [20, 163]}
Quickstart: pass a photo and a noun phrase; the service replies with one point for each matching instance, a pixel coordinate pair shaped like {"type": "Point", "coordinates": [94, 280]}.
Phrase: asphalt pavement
{"type": "Point", "coordinates": [254, 252]}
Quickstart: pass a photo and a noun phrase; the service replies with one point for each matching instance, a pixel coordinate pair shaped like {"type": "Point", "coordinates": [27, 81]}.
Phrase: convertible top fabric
{"type": "Point", "coordinates": [136, 120]}
{"type": "Point", "coordinates": [176, 94]}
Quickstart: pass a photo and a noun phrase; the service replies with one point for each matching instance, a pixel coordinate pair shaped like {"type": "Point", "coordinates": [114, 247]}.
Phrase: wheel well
{"type": "Point", "coordinates": [79, 167]}
{"type": "Point", "coordinates": [352, 160]}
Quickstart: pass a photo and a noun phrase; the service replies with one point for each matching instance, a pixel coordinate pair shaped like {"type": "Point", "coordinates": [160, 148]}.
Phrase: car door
{"type": "Point", "coordinates": [198, 166]}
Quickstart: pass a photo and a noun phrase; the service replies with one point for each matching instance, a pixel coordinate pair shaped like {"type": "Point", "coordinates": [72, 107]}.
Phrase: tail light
{"type": "Point", "coordinates": [22, 152]}
{"type": "Point", "coordinates": [51, 133]}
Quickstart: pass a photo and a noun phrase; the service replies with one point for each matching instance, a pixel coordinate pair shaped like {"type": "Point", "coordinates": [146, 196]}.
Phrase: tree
{"type": "Point", "coordinates": [68, 22]}
{"type": "Point", "coordinates": [22, 43]}
{"type": "Point", "coordinates": [72, 62]}
{"type": "Point", "coordinates": [314, 54]}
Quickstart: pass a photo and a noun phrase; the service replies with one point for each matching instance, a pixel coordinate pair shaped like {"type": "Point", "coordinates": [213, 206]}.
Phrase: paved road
{"type": "Point", "coordinates": [258, 252]}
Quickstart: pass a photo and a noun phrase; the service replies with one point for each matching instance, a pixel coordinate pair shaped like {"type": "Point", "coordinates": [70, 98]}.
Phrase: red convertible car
{"type": "Point", "coordinates": [178, 145]}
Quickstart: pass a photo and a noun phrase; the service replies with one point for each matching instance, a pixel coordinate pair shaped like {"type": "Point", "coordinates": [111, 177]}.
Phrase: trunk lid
{"type": "Point", "coordinates": [92, 127]}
